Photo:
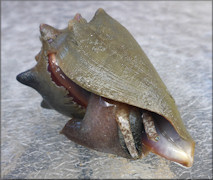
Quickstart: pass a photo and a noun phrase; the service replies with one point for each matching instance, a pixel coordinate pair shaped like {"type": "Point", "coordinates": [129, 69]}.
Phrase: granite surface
{"type": "Point", "coordinates": [176, 36]}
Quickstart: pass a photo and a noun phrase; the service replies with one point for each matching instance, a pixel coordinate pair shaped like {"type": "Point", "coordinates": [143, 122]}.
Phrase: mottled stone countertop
{"type": "Point", "coordinates": [176, 37]}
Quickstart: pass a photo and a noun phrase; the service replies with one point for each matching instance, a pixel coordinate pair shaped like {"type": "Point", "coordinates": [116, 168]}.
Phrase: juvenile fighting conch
{"type": "Point", "coordinates": [96, 73]}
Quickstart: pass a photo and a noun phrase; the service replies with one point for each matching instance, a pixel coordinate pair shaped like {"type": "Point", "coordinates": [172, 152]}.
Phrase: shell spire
{"type": "Point", "coordinates": [28, 78]}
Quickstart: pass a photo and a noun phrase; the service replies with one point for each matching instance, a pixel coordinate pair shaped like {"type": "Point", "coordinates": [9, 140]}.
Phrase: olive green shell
{"type": "Point", "coordinates": [102, 57]}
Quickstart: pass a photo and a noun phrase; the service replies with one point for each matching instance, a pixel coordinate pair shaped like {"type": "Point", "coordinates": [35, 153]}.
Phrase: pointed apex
{"type": "Point", "coordinates": [48, 32]}
{"type": "Point", "coordinates": [27, 78]}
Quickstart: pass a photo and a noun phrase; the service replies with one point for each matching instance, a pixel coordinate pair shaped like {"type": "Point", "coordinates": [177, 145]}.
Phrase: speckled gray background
{"type": "Point", "coordinates": [176, 36]}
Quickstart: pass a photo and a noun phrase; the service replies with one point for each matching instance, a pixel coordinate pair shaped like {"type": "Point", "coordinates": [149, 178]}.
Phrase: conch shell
{"type": "Point", "coordinates": [97, 74]}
